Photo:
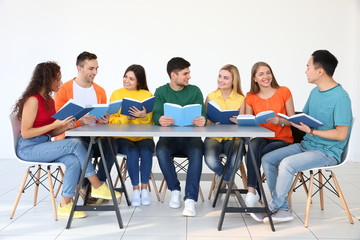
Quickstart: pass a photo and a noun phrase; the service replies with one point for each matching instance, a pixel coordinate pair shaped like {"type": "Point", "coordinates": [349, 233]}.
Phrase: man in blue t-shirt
{"type": "Point", "coordinates": [322, 146]}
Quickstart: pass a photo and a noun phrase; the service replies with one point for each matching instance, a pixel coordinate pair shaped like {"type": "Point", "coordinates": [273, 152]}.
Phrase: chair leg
{"type": "Point", "coordinates": [62, 179]}
{"type": "Point", "coordinates": [308, 202]}
{"type": "Point", "coordinates": [213, 183]}
{"type": "Point", "coordinates": [321, 193]}
{"type": "Point", "coordinates": [164, 191]}
{"type": "Point", "coordinates": [51, 188]}
{"type": "Point", "coordinates": [201, 194]}
{"type": "Point", "coordinates": [243, 175]}
{"type": "Point", "coordinates": [342, 198]}
{"type": "Point", "coordinates": [292, 189]}
{"type": "Point", "coordinates": [303, 183]}
{"type": "Point", "coordinates": [20, 192]}
{"type": "Point", "coordinates": [154, 186]}
{"type": "Point", "coordinates": [37, 183]}
{"type": "Point", "coordinates": [263, 177]}
{"type": "Point", "coordinates": [121, 168]}
{"type": "Point", "coordinates": [162, 184]}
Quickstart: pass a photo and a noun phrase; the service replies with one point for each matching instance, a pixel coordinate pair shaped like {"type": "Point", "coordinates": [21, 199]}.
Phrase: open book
{"type": "Point", "coordinates": [302, 117]}
{"type": "Point", "coordinates": [71, 108]}
{"type": "Point", "coordinates": [215, 114]}
{"type": "Point", "coordinates": [101, 109]}
{"type": "Point", "coordinates": [129, 102]}
{"type": "Point", "coordinates": [251, 120]}
{"type": "Point", "coordinates": [182, 116]}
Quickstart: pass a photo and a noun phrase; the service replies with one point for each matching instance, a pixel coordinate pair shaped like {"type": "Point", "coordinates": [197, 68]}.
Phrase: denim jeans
{"type": "Point", "coordinates": [260, 146]}
{"type": "Point", "coordinates": [193, 147]}
{"type": "Point", "coordinates": [213, 149]}
{"type": "Point", "coordinates": [134, 151]}
{"type": "Point", "coordinates": [108, 157]}
{"type": "Point", "coordinates": [281, 165]}
{"type": "Point", "coordinates": [70, 152]}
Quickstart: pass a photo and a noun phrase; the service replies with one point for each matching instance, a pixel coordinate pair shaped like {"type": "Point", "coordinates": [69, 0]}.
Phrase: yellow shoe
{"type": "Point", "coordinates": [103, 192]}
{"type": "Point", "coordinates": [65, 211]}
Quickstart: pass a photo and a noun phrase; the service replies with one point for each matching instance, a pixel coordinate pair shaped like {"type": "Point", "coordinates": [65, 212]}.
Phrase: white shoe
{"type": "Point", "coordinates": [252, 200]}
{"type": "Point", "coordinates": [145, 198]}
{"type": "Point", "coordinates": [175, 199]}
{"type": "Point", "coordinates": [189, 209]}
{"type": "Point", "coordinates": [135, 200]}
{"type": "Point", "coordinates": [280, 216]}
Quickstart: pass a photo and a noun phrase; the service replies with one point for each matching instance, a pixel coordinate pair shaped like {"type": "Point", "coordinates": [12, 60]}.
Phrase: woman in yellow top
{"type": "Point", "coordinates": [135, 148]}
{"type": "Point", "coordinates": [229, 97]}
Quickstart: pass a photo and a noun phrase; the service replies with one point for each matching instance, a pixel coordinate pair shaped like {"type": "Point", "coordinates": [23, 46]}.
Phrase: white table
{"type": "Point", "coordinates": [148, 130]}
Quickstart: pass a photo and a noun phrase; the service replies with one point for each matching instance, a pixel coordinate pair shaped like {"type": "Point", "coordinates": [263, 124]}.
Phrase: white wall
{"type": "Point", "coordinates": [207, 33]}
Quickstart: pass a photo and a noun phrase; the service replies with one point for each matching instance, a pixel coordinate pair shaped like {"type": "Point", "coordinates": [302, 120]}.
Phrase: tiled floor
{"type": "Point", "coordinates": [158, 221]}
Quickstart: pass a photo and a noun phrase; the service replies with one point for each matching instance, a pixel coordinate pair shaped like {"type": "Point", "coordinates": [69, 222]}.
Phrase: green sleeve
{"type": "Point", "coordinates": [158, 109]}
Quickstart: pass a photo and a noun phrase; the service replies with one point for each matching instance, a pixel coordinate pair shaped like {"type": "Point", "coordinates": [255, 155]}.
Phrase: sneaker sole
{"type": "Point", "coordinates": [276, 220]}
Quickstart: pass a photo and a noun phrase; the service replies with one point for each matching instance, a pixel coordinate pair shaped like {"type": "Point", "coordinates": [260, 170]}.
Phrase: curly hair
{"type": "Point", "coordinates": [43, 76]}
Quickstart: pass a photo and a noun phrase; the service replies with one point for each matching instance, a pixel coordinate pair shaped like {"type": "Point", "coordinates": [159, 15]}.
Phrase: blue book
{"type": "Point", "coordinates": [251, 120]}
{"type": "Point", "coordinates": [129, 102]}
{"type": "Point", "coordinates": [71, 108]}
{"type": "Point", "coordinates": [99, 110]}
{"type": "Point", "coordinates": [304, 118]}
{"type": "Point", "coordinates": [215, 114]}
{"type": "Point", "coordinates": [182, 116]}
{"type": "Point", "coordinates": [114, 107]}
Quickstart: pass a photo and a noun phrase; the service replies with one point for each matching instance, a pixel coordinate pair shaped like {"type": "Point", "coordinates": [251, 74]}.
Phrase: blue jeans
{"type": "Point", "coordinates": [213, 149]}
{"type": "Point", "coordinates": [134, 151]}
{"type": "Point", "coordinates": [108, 157]}
{"type": "Point", "coordinates": [70, 152]}
{"type": "Point", "coordinates": [193, 147]}
{"type": "Point", "coordinates": [260, 146]}
{"type": "Point", "coordinates": [281, 165]}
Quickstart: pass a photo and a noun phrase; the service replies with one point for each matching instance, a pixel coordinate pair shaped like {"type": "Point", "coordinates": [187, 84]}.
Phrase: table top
{"type": "Point", "coordinates": [150, 130]}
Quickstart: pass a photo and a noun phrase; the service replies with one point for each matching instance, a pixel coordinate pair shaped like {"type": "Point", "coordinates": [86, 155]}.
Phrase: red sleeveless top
{"type": "Point", "coordinates": [43, 116]}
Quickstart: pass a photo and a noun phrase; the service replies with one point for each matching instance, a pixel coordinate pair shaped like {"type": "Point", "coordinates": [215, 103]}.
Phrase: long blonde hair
{"type": "Point", "coordinates": [236, 77]}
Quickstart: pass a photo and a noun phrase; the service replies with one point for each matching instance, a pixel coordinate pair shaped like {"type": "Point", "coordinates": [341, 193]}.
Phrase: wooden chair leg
{"type": "Point", "coordinates": [342, 198]}
{"type": "Point", "coordinates": [243, 175]}
{"type": "Point", "coordinates": [263, 177]}
{"type": "Point", "coordinates": [154, 186]}
{"type": "Point", "coordinates": [164, 191]}
{"type": "Point", "coordinates": [321, 193]}
{"type": "Point", "coordinates": [51, 188]}
{"type": "Point", "coordinates": [303, 183]}
{"type": "Point", "coordinates": [292, 189]}
{"type": "Point", "coordinates": [37, 183]}
{"type": "Point", "coordinates": [162, 184]}
{"type": "Point", "coordinates": [19, 193]}
{"type": "Point", "coordinates": [121, 168]}
{"type": "Point", "coordinates": [201, 194]}
{"type": "Point", "coordinates": [308, 202]}
{"type": "Point", "coordinates": [62, 179]}
{"type": "Point", "coordinates": [212, 187]}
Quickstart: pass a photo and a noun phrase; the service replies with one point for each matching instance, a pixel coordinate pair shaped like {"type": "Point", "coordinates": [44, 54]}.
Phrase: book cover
{"type": "Point", "coordinates": [129, 102]}
{"type": "Point", "coordinates": [215, 114]}
{"type": "Point", "coordinates": [114, 107]}
{"type": "Point", "coordinates": [71, 108]}
{"type": "Point", "coordinates": [182, 116]}
{"type": "Point", "coordinates": [251, 120]}
{"type": "Point", "coordinates": [99, 110]}
{"type": "Point", "coordinates": [302, 117]}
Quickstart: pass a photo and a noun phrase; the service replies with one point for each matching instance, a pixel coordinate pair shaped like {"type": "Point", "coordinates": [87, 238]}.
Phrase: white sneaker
{"type": "Point", "coordinates": [145, 198]}
{"type": "Point", "coordinates": [280, 216]}
{"type": "Point", "coordinates": [189, 209]}
{"type": "Point", "coordinates": [175, 199]}
{"type": "Point", "coordinates": [135, 199]}
{"type": "Point", "coordinates": [252, 200]}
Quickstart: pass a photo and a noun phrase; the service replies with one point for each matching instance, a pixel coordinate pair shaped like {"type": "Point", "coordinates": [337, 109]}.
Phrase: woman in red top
{"type": "Point", "coordinates": [266, 94]}
{"type": "Point", "coordinates": [34, 109]}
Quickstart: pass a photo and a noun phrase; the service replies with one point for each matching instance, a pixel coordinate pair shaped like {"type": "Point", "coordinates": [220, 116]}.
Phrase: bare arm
{"type": "Point", "coordinates": [339, 133]}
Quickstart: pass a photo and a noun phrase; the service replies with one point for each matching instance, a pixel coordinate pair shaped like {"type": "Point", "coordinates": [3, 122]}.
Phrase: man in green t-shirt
{"type": "Point", "coordinates": [179, 91]}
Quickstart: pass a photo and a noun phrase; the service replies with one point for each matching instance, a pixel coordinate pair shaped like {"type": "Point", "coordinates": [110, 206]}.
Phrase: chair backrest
{"type": "Point", "coordinates": [16, 126]}
{"type": "Point", "coordinates": [298, 135]}
{"type": "Point", "coordinates": [344, 154]}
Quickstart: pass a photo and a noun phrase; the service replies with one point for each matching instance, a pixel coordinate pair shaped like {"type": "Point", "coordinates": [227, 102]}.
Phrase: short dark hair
{"type": "Point", "coordinates": [176, 64]}
{"type": "Point", "coordinates": [80, 61]}
{"type": "Point", "coordinates": [324, 59]}
{"type": "Point", "coordinates": [140, 75]}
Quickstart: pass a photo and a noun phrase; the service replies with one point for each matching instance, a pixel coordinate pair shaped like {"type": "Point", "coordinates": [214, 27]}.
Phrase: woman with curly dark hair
{"type": "Point", "coordinates": [34, 109]}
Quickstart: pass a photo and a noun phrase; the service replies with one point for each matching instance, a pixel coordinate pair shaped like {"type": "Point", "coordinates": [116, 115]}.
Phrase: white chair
{"type": "Point", "coordinates": [39, 175]}
{"type": "Point", "coordinates": [321, 184]}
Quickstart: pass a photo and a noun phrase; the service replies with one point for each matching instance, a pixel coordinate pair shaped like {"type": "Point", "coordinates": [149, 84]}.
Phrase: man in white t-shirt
{"type": "Point", "coordinates": [85, 92]}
